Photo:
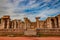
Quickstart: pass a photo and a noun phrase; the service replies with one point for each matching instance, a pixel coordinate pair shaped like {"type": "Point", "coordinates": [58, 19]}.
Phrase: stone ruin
{"type": "Point", "coordinates": [15, 26]}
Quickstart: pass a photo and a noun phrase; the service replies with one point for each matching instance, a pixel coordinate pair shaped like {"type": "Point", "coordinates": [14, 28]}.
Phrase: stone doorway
{"type": "Point", "coordinates": [53, 24]}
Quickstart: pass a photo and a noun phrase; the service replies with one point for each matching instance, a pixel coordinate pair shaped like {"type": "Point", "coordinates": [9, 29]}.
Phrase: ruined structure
{"type": "Point", "coordinates": [11, 26]}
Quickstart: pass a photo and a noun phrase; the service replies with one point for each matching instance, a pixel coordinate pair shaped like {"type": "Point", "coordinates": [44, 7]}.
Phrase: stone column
{"type": "Point", "coordinates": [42, 24]}
{"type": "Point", "coordinates": [25, 27]}
{"type": "Point", "coordinates": [38, 22]}
{"type": "Point", "coordinates": [2, 24]}
{"type": "Point", "coordinates": [27, 23]}
{"type": "Point", "coordinates": [18, 22]}
{"type": "Point", "coordinates": [15, 24]}
{"type": "Point", "coordinates": [8, 23]}
{"type": "Point", "coordinates": [22, 25]}
{"type": "Point", "coordinates": [5, 21]}
{"type": "Point", "coordinates": [12, 25]}
{"type": "Point", "coordinates": [58, 20]}
{"type": "Point", "coordinates": [48, 22]}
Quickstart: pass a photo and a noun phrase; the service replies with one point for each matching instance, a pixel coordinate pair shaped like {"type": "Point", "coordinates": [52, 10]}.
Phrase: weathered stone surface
{"type": "Point", "coordinates": [27, 25]}
{"type": "Point", "coordinates": [30, 32]}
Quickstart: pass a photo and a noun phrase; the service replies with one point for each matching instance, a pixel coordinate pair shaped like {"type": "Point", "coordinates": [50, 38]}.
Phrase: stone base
{"type": "Point", "coordinates": [30, 32]}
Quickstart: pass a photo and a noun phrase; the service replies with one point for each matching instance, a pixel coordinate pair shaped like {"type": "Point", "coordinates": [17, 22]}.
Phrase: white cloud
{"type": "Point", "coordinates": [47, 0]}
{"type": "Point", "coordinates": [11, 7]}
{"type": "Point", "coordinates": [46, 13]}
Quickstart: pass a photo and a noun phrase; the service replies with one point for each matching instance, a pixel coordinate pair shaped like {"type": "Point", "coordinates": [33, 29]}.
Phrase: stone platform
{"type": "Point", "coordinates": [30, 32]}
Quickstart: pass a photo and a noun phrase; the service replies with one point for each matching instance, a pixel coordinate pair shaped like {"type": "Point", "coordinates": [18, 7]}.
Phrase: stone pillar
{"type": "Point", "coordinates": [58, 20]}
{"type": "Point", "coordinates": [18, 24]}
{"type": "Point", "coordinates": [8, 23]}
{"type": "Point", "coordinates": [15, 24]}
{"type": "Point", "coordinates": [5, 21]}
{"type": "Point", "coordinates": [38, 22]}
{"type": "Point", "coordinates": [27, 23]}
{"type": "Point", "coordinates": [45, 24]}
{"type": "Point", "coordinates": [22, 25]}
{"type": "Point", "coordinates": [2, 24]}
{"type": "Point", "coordinates": [42, 24]}
{"type": "Point", "coordinates": [25, 27]}
{"type": "Point", "coordinates": [12, 25]}
{"type": "Point", "coordinates": [48, 22]}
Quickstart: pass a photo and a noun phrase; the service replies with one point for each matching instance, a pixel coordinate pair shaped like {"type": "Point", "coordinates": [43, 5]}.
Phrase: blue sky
{"type": "Point", "coordinates": [18, 9]}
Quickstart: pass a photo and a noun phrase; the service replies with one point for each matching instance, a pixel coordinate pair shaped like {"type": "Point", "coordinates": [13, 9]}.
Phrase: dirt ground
{"type": "Point", "coordinates": [29, 38]}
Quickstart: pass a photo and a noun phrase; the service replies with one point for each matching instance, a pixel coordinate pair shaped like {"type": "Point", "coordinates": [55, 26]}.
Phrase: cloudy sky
{"type": "Point", "coordinates": [18, 9]}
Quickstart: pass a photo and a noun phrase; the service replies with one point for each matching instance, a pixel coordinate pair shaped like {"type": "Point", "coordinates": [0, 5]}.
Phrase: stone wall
{"type": "Point", "coordinates": [49, 31]}
{"type": "Point", "coordinates": [49, 23]}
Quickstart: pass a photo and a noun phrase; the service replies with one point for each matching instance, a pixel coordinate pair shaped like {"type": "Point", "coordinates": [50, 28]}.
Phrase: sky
{"type": "Point", "coordinates": [18, 9]}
